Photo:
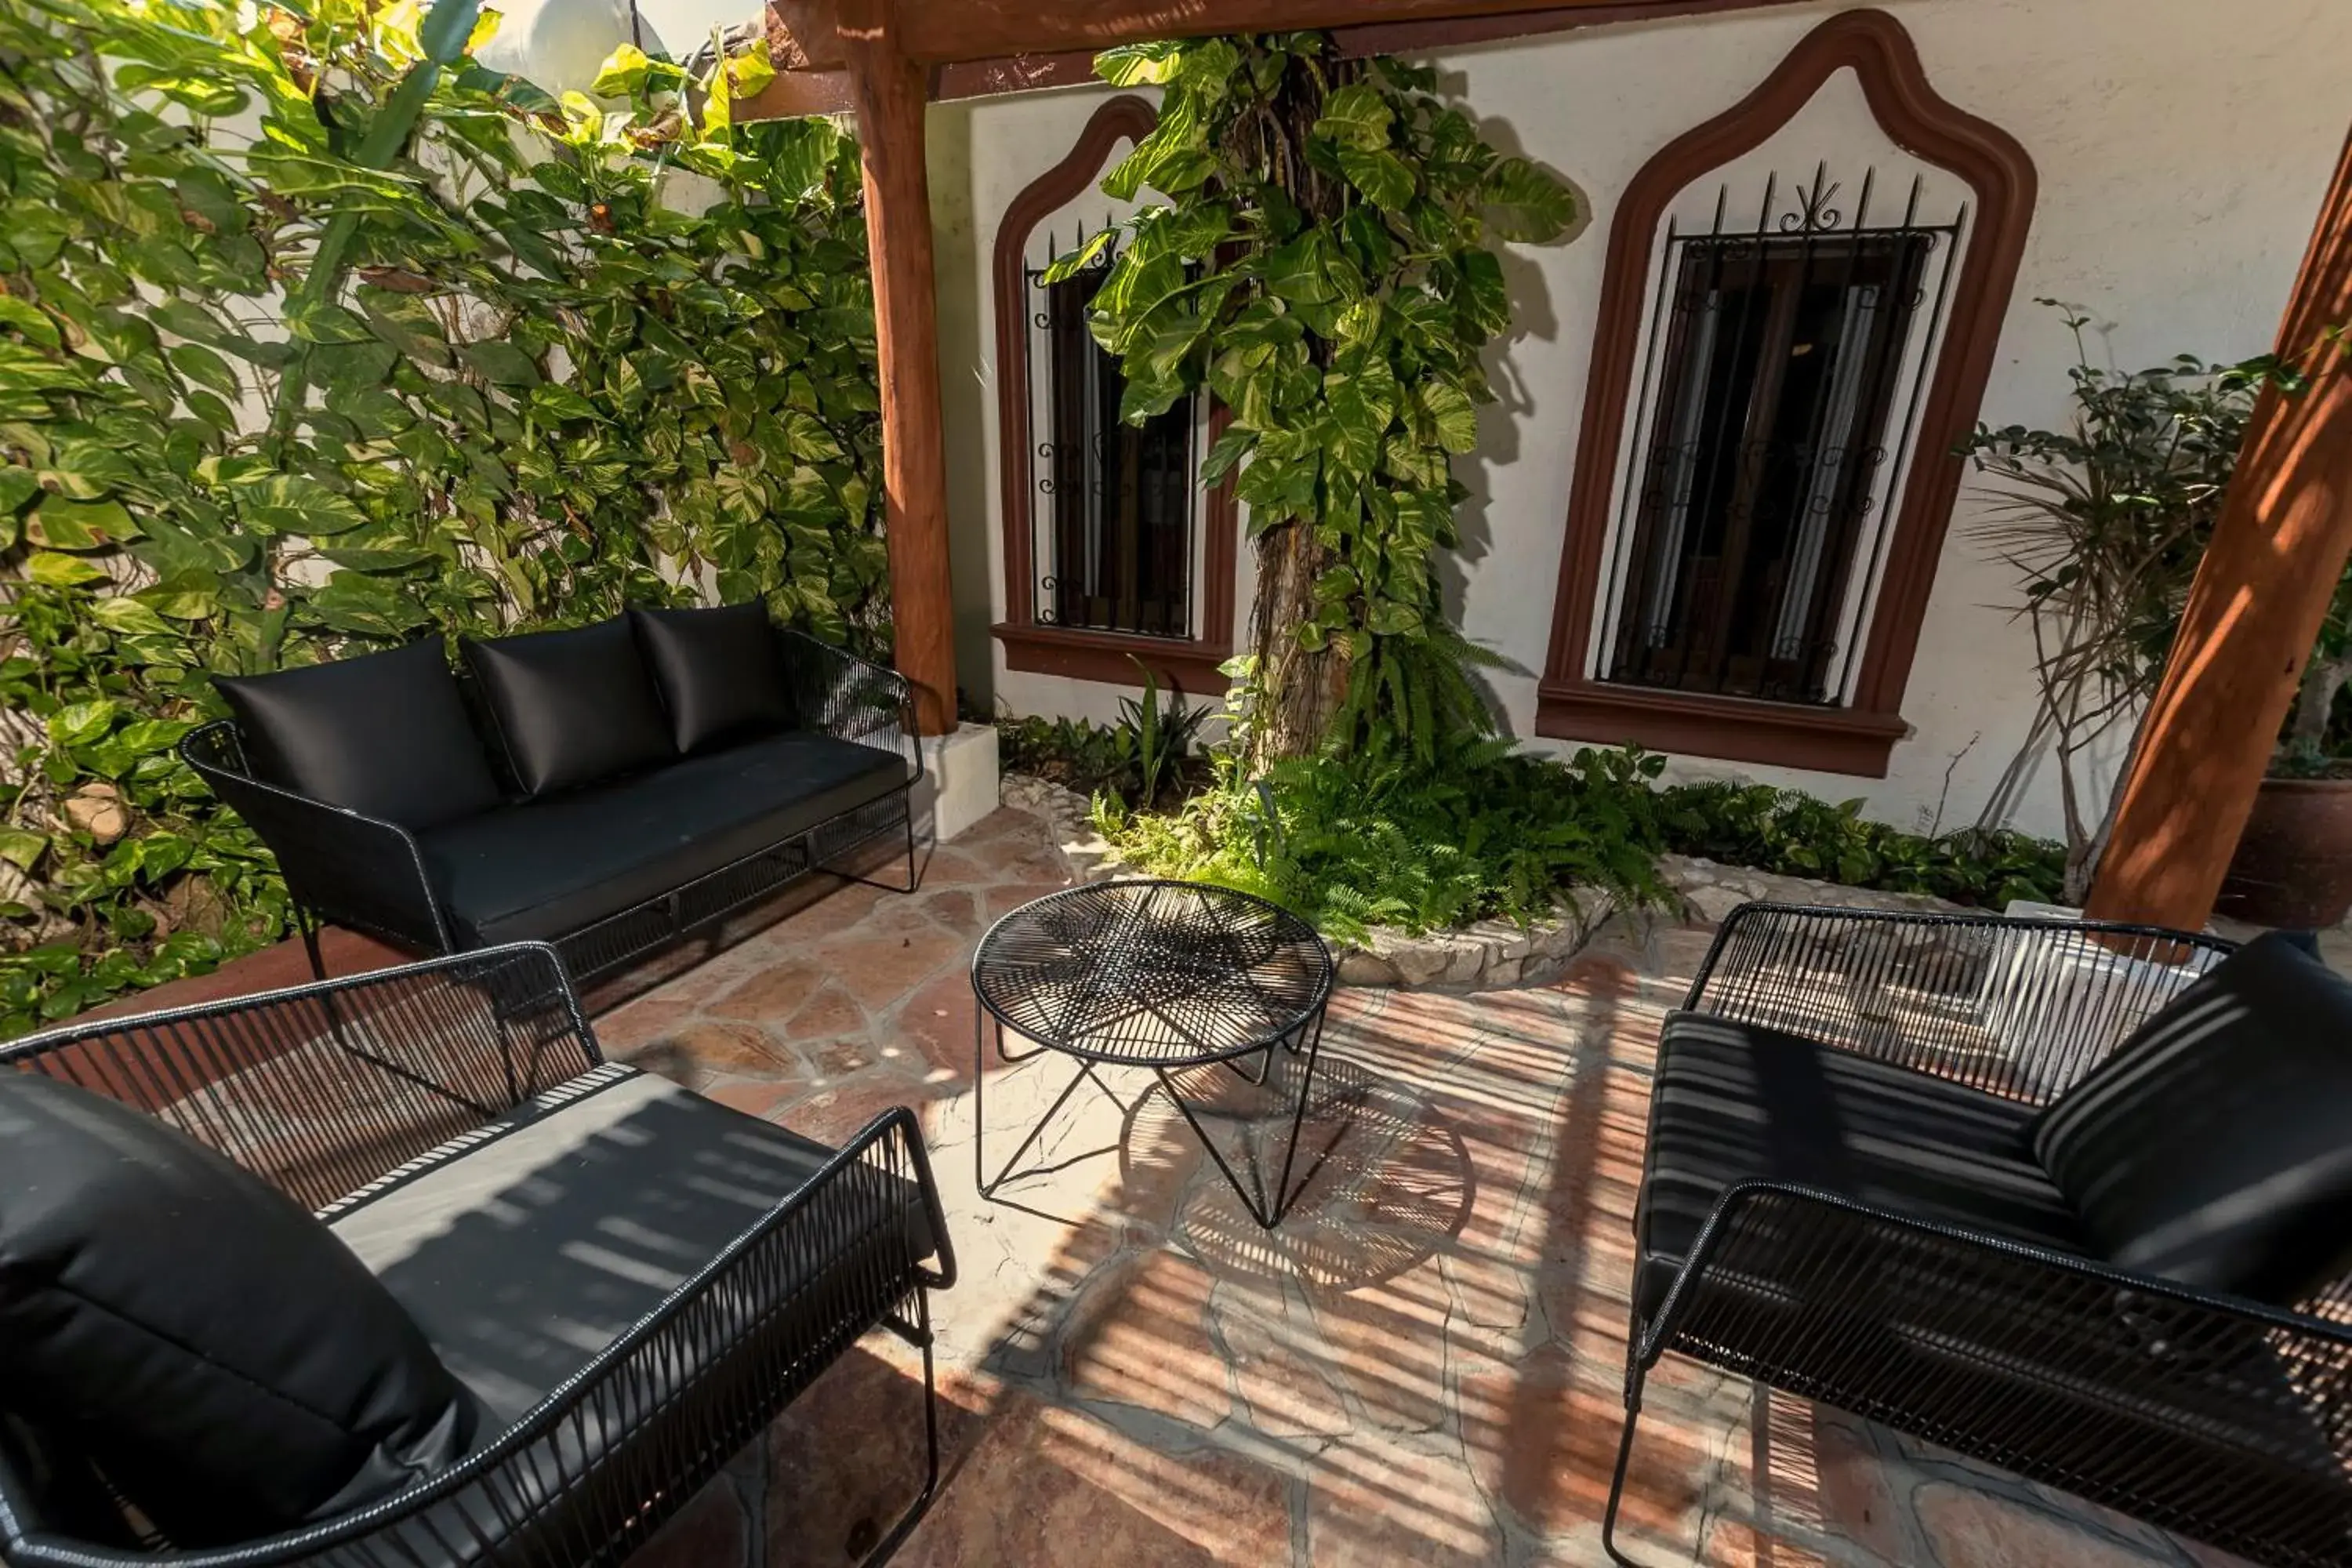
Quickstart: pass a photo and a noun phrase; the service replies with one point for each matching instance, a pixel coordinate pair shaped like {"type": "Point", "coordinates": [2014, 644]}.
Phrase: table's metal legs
{"type": "Point", "coordinates": [981, 1023]}
{"type": "Point", "coordinates": [1267, 1209]}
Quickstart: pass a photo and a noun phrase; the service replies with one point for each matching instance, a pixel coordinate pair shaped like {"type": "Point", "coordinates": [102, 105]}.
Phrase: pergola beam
{"type": "Point", "coordinates": [938, 31]}
{"type": "Point", "coordinates": [888, 90]}
{"type": "Point", "coordinates": [804, 39]}
{"type": "Point", "coordinates": [2260, 596]}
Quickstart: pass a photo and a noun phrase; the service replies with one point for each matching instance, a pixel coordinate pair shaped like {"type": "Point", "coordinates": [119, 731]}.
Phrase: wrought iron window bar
{"type": "Point", "coordinates": [1118, 523]}
{"type": "Point", "coordinates": [1750, 538]}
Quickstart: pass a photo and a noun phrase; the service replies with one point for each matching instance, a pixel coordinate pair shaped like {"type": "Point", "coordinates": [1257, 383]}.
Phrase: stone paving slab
{"type": "Point", "coordinates": [1421, 1366]}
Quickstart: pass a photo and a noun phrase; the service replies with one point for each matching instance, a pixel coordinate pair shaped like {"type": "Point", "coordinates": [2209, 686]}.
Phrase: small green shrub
{"type": "Point", "coordinates": [1076, 754]}
{"type": "Point", "coordinates": [1148, 757]}
{"type": "Point", "coordinates": [1798, 835]}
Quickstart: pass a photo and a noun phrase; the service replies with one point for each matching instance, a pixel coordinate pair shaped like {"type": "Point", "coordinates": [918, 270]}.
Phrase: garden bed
{"type": "Point", "coordinates": [1488, 954]}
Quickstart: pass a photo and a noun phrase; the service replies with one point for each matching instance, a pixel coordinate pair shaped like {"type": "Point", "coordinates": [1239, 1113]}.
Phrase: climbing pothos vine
{"type": "Point", "coordinates": [1321, 259]}
{"type": "Point", "coordinates": [566, 353]}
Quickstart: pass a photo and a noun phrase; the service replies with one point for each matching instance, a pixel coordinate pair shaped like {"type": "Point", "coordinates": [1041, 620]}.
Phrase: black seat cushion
{"type": "Point", "coordinates": [2215, 1145]}
{"type": "Point", "coordinates": [721, 672]}
{"type": "Point", "coordinates": [572, 708]}
{"type": "Point", "coordinates": [1737, 1102]}
{"type": "Point", "coordinates": [548, 868]}
{"type": "Point", "coordinates": [385, 735]}
{"type": "Point", "coordinates": [225, 1361]}
{"type": "Point", "coordinates": [525, 1253]}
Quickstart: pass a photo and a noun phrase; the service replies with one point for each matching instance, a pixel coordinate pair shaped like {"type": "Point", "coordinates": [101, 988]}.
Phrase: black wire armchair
{"type": "Point", "coordinates": [1927, 1276]}
{"type": "Point", "coordinates": [350, 1095]}
{"type": "Point", "coordinates": [381, 878]}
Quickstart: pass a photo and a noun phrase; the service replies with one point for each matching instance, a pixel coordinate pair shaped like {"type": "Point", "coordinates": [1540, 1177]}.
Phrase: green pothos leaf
{"type": "Point", "coordinates": [1523, 202]}
{"type": "Point", "coordinates": [1139, 65]}
{"type": "Point", "coordinates": [1073, 262]}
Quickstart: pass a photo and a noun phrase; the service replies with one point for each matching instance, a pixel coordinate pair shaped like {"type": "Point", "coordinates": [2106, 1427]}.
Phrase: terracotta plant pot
{"type": "Point", "coordinates": [2293, 865]}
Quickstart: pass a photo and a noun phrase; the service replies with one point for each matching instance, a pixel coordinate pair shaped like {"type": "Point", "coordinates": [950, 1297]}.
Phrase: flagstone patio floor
{"type": "Point", "coordinates": [1421, 1366]}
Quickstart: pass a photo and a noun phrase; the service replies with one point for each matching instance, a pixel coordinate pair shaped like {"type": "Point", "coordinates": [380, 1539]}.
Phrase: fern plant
{"type": "Point", "coordinates": [1490, 833]}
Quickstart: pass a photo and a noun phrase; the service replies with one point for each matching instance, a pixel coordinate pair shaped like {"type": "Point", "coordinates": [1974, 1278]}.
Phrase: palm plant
{"type": "Point", "coordinates": [2105, 524]}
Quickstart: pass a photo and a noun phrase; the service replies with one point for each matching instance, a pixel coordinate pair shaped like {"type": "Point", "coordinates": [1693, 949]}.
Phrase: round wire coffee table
{"type": "Point", "coordinates": [1173, 977]}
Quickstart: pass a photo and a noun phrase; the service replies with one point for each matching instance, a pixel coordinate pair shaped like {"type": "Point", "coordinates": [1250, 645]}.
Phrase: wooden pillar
{"type": "Point", "coordinates": [890, 92]}
{"type": "Point", "coordinates": [2260, 598]}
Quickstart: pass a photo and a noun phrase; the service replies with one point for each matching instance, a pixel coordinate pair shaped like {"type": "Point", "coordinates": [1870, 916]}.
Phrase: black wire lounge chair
{"type": "Point", "coordinates": [632, 1282]}
{"type": "Point", "coordinates": [1842, 1199]}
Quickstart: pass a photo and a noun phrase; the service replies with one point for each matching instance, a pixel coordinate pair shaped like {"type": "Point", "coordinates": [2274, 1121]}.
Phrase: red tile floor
{"type": "Point", "coordinates": [1421, 1366]}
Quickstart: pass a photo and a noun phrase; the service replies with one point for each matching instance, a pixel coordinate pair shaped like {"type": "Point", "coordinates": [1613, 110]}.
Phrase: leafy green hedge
{"type": "Point", "coordinates": [1493, 833]}
{"type": "Point", "coordinates": [538, 392]}
{"type": "Point", "coordinates": [1799, 836]}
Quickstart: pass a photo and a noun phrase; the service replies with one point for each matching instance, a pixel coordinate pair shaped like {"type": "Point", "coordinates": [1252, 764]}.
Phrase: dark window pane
{"type": "Point", "coordinates": [1118, 507]}
{"type": "Point", "coordinates": [1780, 370]}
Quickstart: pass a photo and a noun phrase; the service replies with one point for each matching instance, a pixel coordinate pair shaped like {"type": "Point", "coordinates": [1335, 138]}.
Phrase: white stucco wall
{"type": "Point", "coordinates": [2183, 148]}
{"type": "Point", "coordinates": [561, 43]}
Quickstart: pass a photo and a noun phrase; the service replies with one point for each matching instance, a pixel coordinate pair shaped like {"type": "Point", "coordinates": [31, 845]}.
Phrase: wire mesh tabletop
{"type": "Point", "coordinates": [1171, 977]}
{"type": "Point", "coordinates": [1152, 974]}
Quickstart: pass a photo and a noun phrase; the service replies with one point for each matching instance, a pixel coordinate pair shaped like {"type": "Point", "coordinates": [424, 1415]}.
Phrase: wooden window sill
{"type": "Point", "coordinates": [1189, 667]}
{"type": "Point", "coordinates": [1731, 729]}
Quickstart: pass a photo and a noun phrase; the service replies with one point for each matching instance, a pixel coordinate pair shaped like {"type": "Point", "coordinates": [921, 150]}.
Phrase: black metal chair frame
{"type": "Point", "coordinates": [368, 875]}
{"type": "Point", "coordinates": [1781, 1284]}
{"type": "Point", "coordinates": [1303, 1034]}
{"type": "Point", "coordinates": [626, 1441]}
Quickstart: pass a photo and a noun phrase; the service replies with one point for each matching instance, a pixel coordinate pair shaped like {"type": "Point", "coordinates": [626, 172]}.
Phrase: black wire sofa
{"type": "Point", "coordinates": [1845, 1197]}
{"type": "Point", "coordinates": [629, 1281]}
{"type": "Point", "coordinates": [611, 789]}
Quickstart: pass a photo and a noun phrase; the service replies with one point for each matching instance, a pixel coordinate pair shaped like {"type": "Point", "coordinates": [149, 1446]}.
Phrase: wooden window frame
{"type": "Point", "coordinates": [1858, 739]}
{"type": "Point", "coordinates": [1189, 665]}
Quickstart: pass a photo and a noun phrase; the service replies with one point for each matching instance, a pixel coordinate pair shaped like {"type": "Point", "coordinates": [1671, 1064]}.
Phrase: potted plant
{"type": "Point", "coordinates": [2293, 865]}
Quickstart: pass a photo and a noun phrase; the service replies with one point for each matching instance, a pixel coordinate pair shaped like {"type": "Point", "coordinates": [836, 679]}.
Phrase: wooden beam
{"type": "Point", "coordinates": [941, 30]}
{"type": "Point", "coordinates": [889, 91]}
{"type": "Point", "coordinates": [1020, 48]}
{"type": "Point", "coordinates": [2252, 616]}
{"type": "Point", "coordinates": [791, 94]}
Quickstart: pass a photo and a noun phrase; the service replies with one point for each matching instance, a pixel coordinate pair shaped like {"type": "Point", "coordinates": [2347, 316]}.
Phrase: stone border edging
{"type": "Point", "coordinates": [1491, 956]}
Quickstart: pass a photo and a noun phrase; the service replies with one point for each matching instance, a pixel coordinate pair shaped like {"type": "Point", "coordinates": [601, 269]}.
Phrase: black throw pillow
{"type": "Point", "coordinates": [721, 671]}
{"type": "Point", "coordinates": [385, 735]}
{"type": "Point", "coordinates": [572, 707]}
{"type": "Point", "coordinates": [227, 1362]}
{"type": "Point", "coordinates": [2215, 1146]}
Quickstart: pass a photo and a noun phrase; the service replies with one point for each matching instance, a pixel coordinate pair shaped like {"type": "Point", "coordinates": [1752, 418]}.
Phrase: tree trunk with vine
{"type": "Point", "coordinates": [1322, 266]}
{"type": "Point", "coordinates": [1299, 688]}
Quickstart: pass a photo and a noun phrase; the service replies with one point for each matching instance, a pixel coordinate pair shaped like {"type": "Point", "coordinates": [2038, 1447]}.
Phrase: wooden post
{"type": "Point", "coordinates": [2253, 615]}
{"type": "Point", "coordinates": [889, 91]}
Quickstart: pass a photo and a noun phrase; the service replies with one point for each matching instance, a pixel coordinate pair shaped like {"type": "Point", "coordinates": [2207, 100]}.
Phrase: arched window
{"type": "Point", "coordinates": [1799, 315]}
{"type": "Point", "coordinates": [1113, 551]}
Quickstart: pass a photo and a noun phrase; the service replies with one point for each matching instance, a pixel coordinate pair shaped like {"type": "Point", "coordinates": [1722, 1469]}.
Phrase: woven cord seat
{"type": "Point", "coordinates": [1841, 1200]}
{"type": "Point", "coordinates": [632, 1282]}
